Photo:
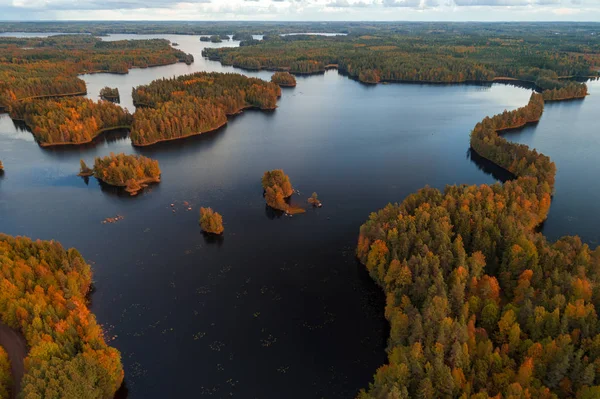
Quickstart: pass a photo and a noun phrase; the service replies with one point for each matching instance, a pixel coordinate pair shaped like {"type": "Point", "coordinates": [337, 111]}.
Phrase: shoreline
{"type": "Point", "coordinates": [142, 183]}
{"type": "Point", "coordinates": [74, 94]}
{"type": "Point", "coordinates": [497, 79]}
{"type": "Point", "coordinates": [98, 133]}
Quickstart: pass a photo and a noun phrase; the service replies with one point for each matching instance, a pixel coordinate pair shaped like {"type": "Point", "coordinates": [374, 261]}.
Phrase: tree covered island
{"type": "Point", "coordinates": [69, 120]}
{"type": "Point", "coordinates": [284, 79]}
{"type": "Point", "coordinates": [110, 94]}
{"type": "Point", "coordinates": [192, 104]}
{"type": "Point", "coordinates": [134, 172]}
{"type": "Point", "coordinates": [44, 295]}
{"type": "Point", "coordinates": [211, 221]}
{"type": "Point", "coordinates": [278, 188]}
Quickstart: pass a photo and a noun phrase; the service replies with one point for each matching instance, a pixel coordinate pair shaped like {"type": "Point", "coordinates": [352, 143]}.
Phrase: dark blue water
{"type": "Point", "coordinates": [279, 307]}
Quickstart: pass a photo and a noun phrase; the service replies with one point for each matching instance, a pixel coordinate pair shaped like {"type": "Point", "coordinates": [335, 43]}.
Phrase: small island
{"type": "Point", "coordinates": [110, 94]}
{"type": "Point", "coordinates": [210, 221]}
{"type": "Point", "coordinates": [284, 79]}
{"type": "Point", "coordinates": [277, 188]}
{"type": "Point", "coordinates": [134, 172]}
{"type": "Point", "coordinates": [174, 44]}
{"type": "Point", "coordinates": [314, 201]}
{"type": "Point", "coordinates": [212, 39]}
{"type": "Point", "coordinates": [1, 167]}
{"type": "Point", "coordinates": [242, 36]}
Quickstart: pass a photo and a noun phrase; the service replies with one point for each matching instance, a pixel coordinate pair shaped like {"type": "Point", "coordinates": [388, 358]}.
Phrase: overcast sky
{"type": "Point", "coordinates": [329, 10]}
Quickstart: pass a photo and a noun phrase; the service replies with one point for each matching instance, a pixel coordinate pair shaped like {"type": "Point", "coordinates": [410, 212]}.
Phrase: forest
{"type": "Point", "coordinates": [481, 305]}
{"type": "Point", "coordinates": [44, 294]}
{"type": "Point", "coordinates": [284, 79]}
{"type": "Point", "coordinates": [69, 120]}
{"type": "Point", "coordinates": [5, 374]}
{"type": "Point", "coordinates": [43, 67]}
{"type": "Point", "coordinates": [133, 172]}
{"type": "Point", "coordinates": [422, 56]}
{"type": "Point", "coordinates": [193, 104]}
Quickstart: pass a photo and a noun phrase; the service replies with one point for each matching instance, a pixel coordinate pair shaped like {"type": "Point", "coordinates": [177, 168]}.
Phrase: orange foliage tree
{"type": "Point", "coordinates": [211, 221]}
{"type": "Point", "coordinates": [43, 294]}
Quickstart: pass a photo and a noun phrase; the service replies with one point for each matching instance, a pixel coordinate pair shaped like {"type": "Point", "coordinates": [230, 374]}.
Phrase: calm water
{"type": "Point", "coordinates": [568, 133]}
{"type": "Point", "coordinates": [278, 302]}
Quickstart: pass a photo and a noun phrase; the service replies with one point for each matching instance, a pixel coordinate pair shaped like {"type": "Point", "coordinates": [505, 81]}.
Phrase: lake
{"type": "Point", "coordinates": [279, 307]}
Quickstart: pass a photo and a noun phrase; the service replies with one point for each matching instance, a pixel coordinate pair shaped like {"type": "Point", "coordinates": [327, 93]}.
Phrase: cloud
{"type": "Point", "coordinates": [302, 10]}
{"type": "Point", "coordinates": [347, 4]}
{"type": "Point", "coordinates": [402, 3]}
{"type": "Point", "coordinates": [468, 3]}
{"type": "Point", "coordinates": [98, 4]}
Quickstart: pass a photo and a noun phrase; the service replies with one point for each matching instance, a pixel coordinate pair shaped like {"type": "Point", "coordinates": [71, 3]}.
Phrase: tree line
{"type": "Point", "coordinates": [43, 294]}
{"type": "Point", "coordinates": [404, 56]}
{"type": "Point", "coordinates": [479, 304]}
{"type": "Point", "coordinates": [196, 103]}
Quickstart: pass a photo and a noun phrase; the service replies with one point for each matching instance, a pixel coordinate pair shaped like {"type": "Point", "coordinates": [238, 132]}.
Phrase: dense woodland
{"type": "Point", "coordinates": [33, 67]}
{"type": "Point", "coordinates": [130, 171]}
{"type": "Point", "coordinates": [192, 104]}
{"type": "Point", "coordinates": [43, 294]}
{"type": "Point", "coordinates": [479, 304]}
{"type": "Point", "coordinates": [284, 79]}
{"type": "Point", "coordinates": [211, 221]}
{"type": "Point", "coordinates": [5, 374]}
{"type": "Point", "coordinates": [277, 188]}
{"type": "Point", "coordinates": [69, 120]}
{"type": "Point", "coordinates": [419, 55]}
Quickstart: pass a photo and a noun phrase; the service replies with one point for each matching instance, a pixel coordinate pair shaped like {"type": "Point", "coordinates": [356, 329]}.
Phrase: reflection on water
{"type": "Point", "coordinates": [487, 166]}
{"type": "Point", "coordinates": [277, 301]}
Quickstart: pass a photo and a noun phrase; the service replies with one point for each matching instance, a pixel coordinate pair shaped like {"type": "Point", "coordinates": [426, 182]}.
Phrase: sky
{"type": "Point", "coordinates": [303, 10]}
